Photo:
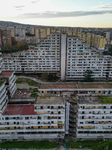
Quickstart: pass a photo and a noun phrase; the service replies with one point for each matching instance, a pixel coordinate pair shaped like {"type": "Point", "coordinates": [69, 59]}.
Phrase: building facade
{"type": "Point", "coordinates": [94, 121]}
{"type": "Point", "coordinates": [43, 120]}
{"type": "Point", "coordinates": [66, 55]}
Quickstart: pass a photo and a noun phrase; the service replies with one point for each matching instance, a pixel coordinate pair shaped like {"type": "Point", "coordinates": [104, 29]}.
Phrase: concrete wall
{"type": "Point", "coordinates": [63, 56]}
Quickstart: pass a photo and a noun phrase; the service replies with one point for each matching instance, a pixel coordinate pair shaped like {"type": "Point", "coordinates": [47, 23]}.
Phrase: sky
{"type": "Point", "coordinates": [73, 13]}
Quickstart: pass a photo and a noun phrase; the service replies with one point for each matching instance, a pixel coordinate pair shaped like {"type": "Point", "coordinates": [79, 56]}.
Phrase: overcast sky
{"type": "Point", "coordinates": [74, 13]}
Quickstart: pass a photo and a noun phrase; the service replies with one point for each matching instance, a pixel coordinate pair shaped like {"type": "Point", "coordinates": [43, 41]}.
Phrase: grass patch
{"type": "Point", "coordinates": [33, 94]}
{"type": "Point", "coordinates": [1, 82]}
{"type": "Point", "coordinates": [18, 89]}
{"type": "Point", "coordinates": [28, 81]}
{"type": "Point", "coordinates": [93, 145]}
{"type": "Point", "coordinates": [74, 99]}
{"type": "Point", "coordinates": [43, 97]}
{"type": "Point", "coordinates": [105, 99]}
{"type": "Point", "coordinates": [109, 83]}
{"type": "Point", "coordinates": [29, 144]}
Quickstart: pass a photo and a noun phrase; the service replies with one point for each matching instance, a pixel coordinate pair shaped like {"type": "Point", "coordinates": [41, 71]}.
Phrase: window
{"type": "Point", "coordinates": [52, 107]}
{"type": "Point", "coordinates": [39, 117]}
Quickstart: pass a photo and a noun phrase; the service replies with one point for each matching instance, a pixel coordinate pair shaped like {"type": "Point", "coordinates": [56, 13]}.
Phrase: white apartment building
{"type": "Point", "coordinates": [19, 31]}
{"type": "Point", "coordinates": [67, 56]}
{"type": "Point", "coordinates": [43, 120]}
{"type": "Point", "coordinates": [94, 121]}
{"type": "Point", "coordinates": [80, 57]}
{"type": "Point", "coordinates": [44, 58]}
{"type": "Point", "coordinates": [10, 79]}
{"type": "Point", "coordinates": [1, 62]}
{"type": "Point", "coordinates": [3, 96]}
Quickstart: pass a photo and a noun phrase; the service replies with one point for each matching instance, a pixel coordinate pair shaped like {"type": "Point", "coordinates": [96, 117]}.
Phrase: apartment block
{"type": "Point", "coordinates": [43, 58]}
{"type": "Point", "coordinates": [37, 32]}
{"type": "Point", "coordinates": [12, 33]}
{"type": "Point", "coordinates": [43, 120]}
{"type": "Point", "coordinates": [80, 57]}
{"type": "Point", "coordinates": [94, 121]}
{"type": "Point", "coordinates": [19, 31]}
{"type": "Point", "coordinates": [43, 33]}
{"type": "Point", "coordinates": [1, 62]}
{"type": "Point", "coordinates": [99, 42]}
{"type": "Point", "coordinates": [48, 31]}
{"type": "Point", "coordinates": [3, 96]}
{"type": "Point", "coordinates": [66, 55]}
{"type": "Point", "coordinates": [78, 89]}
{"type": "Point", "coordinates": [10, 79]}
{"type": "Point", "coordinates": [5, 37]}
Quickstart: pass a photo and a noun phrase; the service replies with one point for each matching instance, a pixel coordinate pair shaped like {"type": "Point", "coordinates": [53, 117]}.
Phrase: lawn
{"type": "Point", "coordinates": [105, 99]}
{"type": "Point", "coordinates": [28, 81]}
{"type": "Point", "coordinates": [29, 144]}
{"type": "Point", "coordinates": [33, 94]}
{"type": "Point", "coordinates": [1, 82]}
{"type": "Point", "coordinates": [93, 145]}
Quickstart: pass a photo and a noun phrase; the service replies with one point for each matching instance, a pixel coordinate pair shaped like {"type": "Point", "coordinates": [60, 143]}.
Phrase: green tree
{"type": "Point", "coordinates": [103, 145]}
{"type": "Point", "coordinates": [88, 76]}
{"type": "Point", "coordinates": [52, 77]}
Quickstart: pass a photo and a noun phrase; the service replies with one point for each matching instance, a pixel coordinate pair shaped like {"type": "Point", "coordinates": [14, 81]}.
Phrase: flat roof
{"type": "Point", "coordinates": [19, 110]}
{"type": "Point", "coordinates": [49, 100]}
{"type": "Point", "coordinates": [6, 73]}
{"type": "Point", "coordinates": [6, 56]}
{"type": "Point", "coordinates": [21, 94]}
{"type": "Point", "coordinates": [82, 85]}
{"type": "Point", "coordinates": [97, 85]}
{"type": "Point", "coordinates": [57, 86]}
{"type": "Point", "coordinates": [94, 100]}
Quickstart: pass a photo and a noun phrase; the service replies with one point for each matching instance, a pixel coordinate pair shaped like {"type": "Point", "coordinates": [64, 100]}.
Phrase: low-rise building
{"type": "Point", "coordinates": [94, 120]}
{"type": "Point", "coordinates": [43, 120]}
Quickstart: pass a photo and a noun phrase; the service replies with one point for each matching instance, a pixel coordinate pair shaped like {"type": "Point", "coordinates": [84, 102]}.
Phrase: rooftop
{"type": "Point", "coordinates": [94, 100]}
{"type": "Point", "coordinates": [21, 94]}
{"type": "Point", "coordinates": [80, 85]}
{"type": "Point", "coordinates": [6, 56]}
{"type": "Point", "coordinates": [19, 110]}
{"type": "Point", "coordinates": [49, 100]}
{"type": "Point", "coordinates": [97, 85]}
{"type": "Point", "coordinates": [57, 86]}
{"type": "Point", "coordinates": [6, 73]}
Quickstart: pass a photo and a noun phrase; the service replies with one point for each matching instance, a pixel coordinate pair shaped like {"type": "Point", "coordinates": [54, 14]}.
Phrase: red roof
{"type": "Point", "coordinates": [19, 110]}
{"type": "Point", "coordinates": [6, 56]}
{"type": "Point", "coordinates": [7, 73]}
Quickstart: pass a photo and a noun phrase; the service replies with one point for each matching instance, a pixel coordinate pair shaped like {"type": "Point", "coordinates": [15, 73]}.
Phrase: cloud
{"type": "Point", "coordinates": [100, 2]}
{"type": "Point", "coordinates": [50, 14]}
{"type": "Point", "coordinates": [35, 1]}
{"type": "Point", "coordinates": [18, 7]}
{"type": "Point", "coordinates": [106, 6]}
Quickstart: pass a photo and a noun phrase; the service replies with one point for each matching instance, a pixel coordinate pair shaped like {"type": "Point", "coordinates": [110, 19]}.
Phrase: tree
{"type": "Point", "coordinates": [14, 42]}
{"type": "Point", "coordinates": [44, 76]}
{"type": "Point", "coordinates": [52, 77]}
{"type": "Point", "coordinates": [88, 76]}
